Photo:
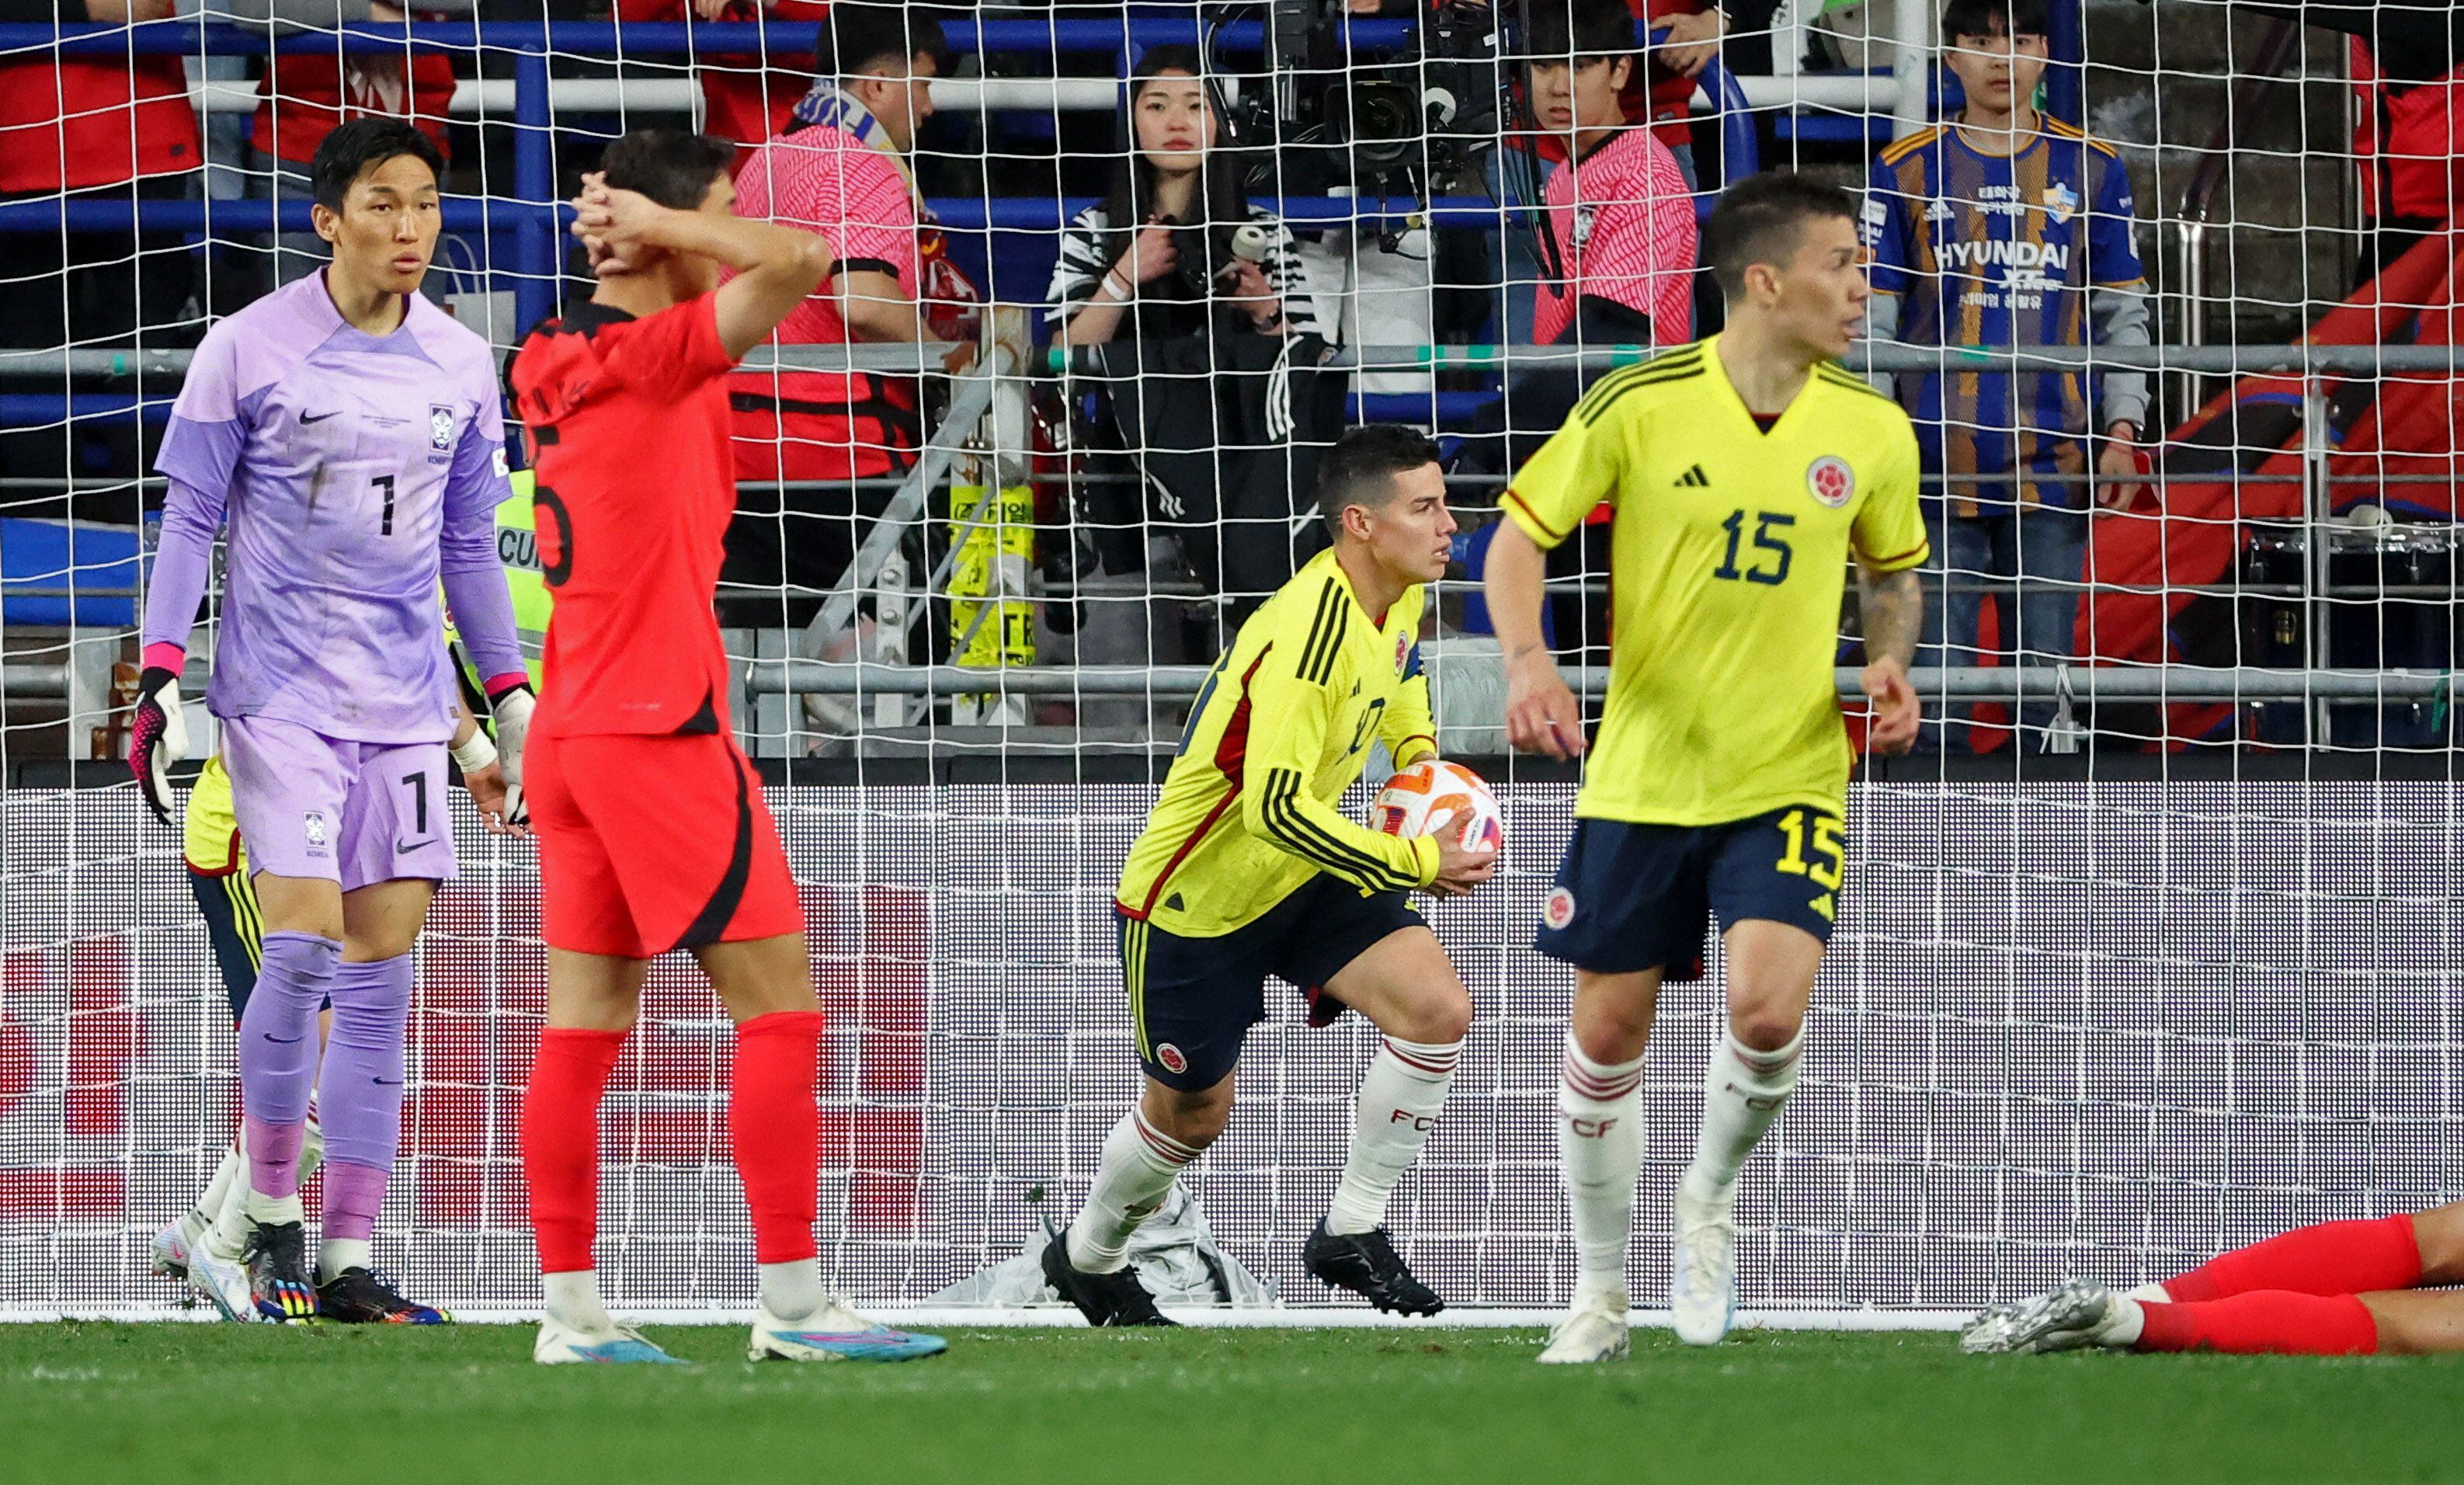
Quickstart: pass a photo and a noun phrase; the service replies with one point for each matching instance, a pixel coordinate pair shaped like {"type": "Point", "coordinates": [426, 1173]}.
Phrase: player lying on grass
{"type": "Point", "coordinates": [1746, 471]}
{"type": "Point", "coordinates": [2336, 1289]}
{"type": "Point", "coordinates": [351, 432]}
{"type": "Point", "coordinates": [652, 831]}
{"type": "Point", "coordinates": [216, 859]}
{"type": "Point", "coordinates": [1246, 869]}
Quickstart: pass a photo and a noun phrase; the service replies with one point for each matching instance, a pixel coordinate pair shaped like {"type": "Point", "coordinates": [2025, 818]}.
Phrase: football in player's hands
{"type": "Point", "coordinates": [1432, 796]}
{"type": "Point", "coordinates": [157, 738]}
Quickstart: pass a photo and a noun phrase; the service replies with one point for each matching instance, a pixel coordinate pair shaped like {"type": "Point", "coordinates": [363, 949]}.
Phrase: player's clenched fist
{"type": "Point", "coordinates": [1541, 713]}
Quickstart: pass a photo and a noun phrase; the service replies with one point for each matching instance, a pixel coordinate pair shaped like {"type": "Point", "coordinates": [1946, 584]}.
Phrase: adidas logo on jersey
{"type": "Point", "coordinates": [1694, 479]}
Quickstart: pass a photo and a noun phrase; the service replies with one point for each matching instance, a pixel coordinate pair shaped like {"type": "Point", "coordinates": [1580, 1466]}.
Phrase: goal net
{"type": "Point", "coordinates": [2146, 952]}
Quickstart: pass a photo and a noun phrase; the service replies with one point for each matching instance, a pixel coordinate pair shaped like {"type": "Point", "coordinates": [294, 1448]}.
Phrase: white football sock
{"type": "Point", "coordinates": [273, 1211]}
{"type": "Point", "coordinates": [2124, 1324]}
{"type": "Point", "coordinates": [1743, 1092]}
{"type": "Point", "coordinates": [1399, 1098]}
{"type": "Point", "coordinates": [209, 1201]}
{"type": "Point", "coordinates": [1599, 1148]}
{"type": "Point", "coordinates": [228, 1231]}
{"type": "Point", "coordinates": [336, 1254]}
{"type": "Point", "coordinates": [792, 1291]}
{"type": "Point", "coordinates": [2149, 1294]}
{"type": "Point", "coordinates": [573, 1300]}
{"type": "Point", "coordinates": [312, 1144]}
{"type": "Point", "coordinates": [1138, 1169]}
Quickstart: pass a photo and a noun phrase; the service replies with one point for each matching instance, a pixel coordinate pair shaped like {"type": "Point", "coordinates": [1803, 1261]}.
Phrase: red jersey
{"type": "Point", "coordinates": [634, 488]}
{"type": "Point", "coordinates": [741, 99]}
{"type": "Point", "coordinates": [94, 120]}
{"type": "Point", "coordinates": [1624, 228]}
{"type": "Point", "coordinates": [309, 95]}
{"type": "Point", "coordinates": [830, 425]}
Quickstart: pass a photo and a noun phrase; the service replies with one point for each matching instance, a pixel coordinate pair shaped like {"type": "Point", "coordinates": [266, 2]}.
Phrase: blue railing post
{"type": "Point", "coordinates": [2066, 79]}
{"type": "Point", "coordinates": [535, 245]}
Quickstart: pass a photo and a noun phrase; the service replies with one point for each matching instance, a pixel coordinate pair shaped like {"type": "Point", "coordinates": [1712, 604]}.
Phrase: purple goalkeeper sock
{"type": "Point", "coordinates": [354, 1195]}
{"type": "Point", "coordinates": [277, 1056]}
{"type": "Point", "coordinates": [359, 1097]}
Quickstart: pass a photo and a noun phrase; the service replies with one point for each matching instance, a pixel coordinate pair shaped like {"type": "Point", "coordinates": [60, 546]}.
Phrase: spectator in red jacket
{"type": "Point", "coordinates": [746, 99]}
{"type": "Point", "coordinates": [90, 128]}
{"type": "Point", "coordinates": [307, 95]}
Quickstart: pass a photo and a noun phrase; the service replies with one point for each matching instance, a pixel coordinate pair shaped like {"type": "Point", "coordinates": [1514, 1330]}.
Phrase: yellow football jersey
{"type": "Point", "coordinates": [1726, 567]}
{"type": "Point", "coordinates": [209, 829]}
{"type": "Point", "coordinates": [1247, 814]}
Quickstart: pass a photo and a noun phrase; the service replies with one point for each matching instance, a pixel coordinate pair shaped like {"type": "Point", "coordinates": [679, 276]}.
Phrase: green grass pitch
{"type": "Point", "coordinates": [184, 1402]}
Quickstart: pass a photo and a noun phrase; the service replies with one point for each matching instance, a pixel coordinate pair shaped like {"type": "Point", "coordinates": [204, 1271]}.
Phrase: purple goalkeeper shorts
{"type": "Point", "coordinates": [352, 812]}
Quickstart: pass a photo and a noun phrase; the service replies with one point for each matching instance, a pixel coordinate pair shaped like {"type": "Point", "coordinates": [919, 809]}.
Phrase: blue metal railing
{"type": "Point", "coordinates": [536, 219]}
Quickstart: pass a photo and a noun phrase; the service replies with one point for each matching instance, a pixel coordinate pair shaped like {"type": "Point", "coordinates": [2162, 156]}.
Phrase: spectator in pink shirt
{"type": "Point", "coordinates": [1618, 256]}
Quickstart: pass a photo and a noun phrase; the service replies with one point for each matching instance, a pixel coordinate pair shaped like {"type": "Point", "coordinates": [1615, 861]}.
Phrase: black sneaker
{"type": "Point", "coordinates": [278, 1273]}
{"type": "Point", "coordinates": [1106, 1299]}
{"type": "Point", "coordinates": [362, 1296]}
{"type": "Point", "coordinates": [1367, 1264]}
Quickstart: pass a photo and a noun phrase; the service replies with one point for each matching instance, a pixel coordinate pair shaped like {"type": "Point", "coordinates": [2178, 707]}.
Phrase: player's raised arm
{"type": "Point", "coordinates": [776, 268]}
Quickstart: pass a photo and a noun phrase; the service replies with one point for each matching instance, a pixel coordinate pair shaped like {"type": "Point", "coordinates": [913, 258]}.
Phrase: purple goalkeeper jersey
{"type": "Point", "coordinates": [356, 472]}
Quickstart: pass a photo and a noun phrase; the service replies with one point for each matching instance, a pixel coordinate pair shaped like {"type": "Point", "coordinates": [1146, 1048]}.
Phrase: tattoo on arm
{"type": "Point", "coordinates": [1893, 606]}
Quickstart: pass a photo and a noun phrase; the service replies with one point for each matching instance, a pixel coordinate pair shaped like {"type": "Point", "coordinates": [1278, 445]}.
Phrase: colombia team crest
{"type": "Point", "coordinates": [1402, 652]}
{"type": "Point", "coordinates": [1830, 480]}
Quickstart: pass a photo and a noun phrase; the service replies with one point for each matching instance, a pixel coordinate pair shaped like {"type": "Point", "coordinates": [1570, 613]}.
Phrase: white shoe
{"type": "Point", "coordinates": [561, 1344]}
{"type": "Point", "coordinates": [1591, 1332]}
{"type": "Point", "coordinates": [835, 1333]}
{"type": "Point", "coordinates": [2080, 1314]}
{"type": "Point", "coordinates": [1701, 1271]}
{"type": "Point", "coordinates": [223, 1281]}
{"type": "Point", "coordinates": [173, 1244]}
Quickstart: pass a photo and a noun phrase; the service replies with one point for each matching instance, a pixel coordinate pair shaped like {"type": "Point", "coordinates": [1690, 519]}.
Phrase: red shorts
{"type": "Point", "coordinates": [650, 843]}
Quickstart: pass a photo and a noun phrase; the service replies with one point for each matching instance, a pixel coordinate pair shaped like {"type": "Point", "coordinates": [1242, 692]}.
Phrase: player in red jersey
{"type": "Point", "coordinates": [2332, 1288]}
{"type": "Point", "coordinates": [650, 822]}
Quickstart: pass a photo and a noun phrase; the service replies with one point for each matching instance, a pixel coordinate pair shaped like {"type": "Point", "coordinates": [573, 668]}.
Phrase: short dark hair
{"type": "Point", "coordinates": [672, 167]}
{"type": "Point", "coordinates": [857, 33]}
{"type": "Point", "coordinates": [1556, 29]}
{"type": "Point", "coordinates": [1761, 219]}
{"type": "Point", "coordinates": [1361, 467]}
{"type": "Point", "coordinates": [1995, 17]}
{"type": "Point", "coordinates": [364, 145]}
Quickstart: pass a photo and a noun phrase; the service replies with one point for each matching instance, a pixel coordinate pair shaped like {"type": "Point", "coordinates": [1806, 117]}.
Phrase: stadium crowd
{"type": "Point", "coordinates": [1205, 332]}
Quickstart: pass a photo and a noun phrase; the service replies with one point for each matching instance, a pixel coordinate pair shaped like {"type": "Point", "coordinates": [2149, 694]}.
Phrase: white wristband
{"type": "Point", "coordinates": [476, 754]}
{"type": "Point", "coordinates": [1120, 286]}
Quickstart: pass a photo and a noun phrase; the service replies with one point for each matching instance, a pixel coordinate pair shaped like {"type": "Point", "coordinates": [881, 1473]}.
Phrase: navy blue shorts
{"type": "Point", "coordinates": [1636, 896]}
{"type": "Point", "coordinates": [1192, 1001]}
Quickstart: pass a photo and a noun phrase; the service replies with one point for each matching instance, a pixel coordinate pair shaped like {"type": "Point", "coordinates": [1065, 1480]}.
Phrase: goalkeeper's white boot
{"type": "Point", "coordinates": [1592, 1331]}
{"type": "Point", "coordinates": [173, 1245]}
{"type": "Point", "coordinates": [2080, 1314]}
{"type": "Point", "coordinates": [1702, 1269]}
{"type": "Point", "coordinates": [223, 1279]}
{"type": "Point", "coordinates": [561, 1344]}
{"type": "Point", "coordinates": [835, 1333]}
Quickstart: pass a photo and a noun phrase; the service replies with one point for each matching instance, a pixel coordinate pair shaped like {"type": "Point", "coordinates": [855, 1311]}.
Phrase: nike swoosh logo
{"type": "Point", "coordinates": [387, 1082]}
{"type": "Point", "coordinates": [305, 420]}
{"type": "Point", "coordinates": [284, 1040]}
{"type": "Point", "coordinates": [401, 848]}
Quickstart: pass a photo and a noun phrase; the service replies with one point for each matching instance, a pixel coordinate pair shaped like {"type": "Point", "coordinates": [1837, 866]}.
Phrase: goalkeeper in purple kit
{"type": "Point", "coordinates": [352, 435]}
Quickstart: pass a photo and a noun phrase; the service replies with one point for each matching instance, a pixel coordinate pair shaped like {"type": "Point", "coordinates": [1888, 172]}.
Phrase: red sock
{"type": "Point", "coordinates": [2331, 1258]}
{"type": "Point", "coordinates": [2263, 1322]}
{"type": "Point", "coordinates": [561, 1142]}
{"type": "Point", "coordinates": [776, 1129]}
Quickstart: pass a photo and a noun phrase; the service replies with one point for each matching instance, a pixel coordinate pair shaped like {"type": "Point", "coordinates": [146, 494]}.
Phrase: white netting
{"type": "Point", "coordinates": [2183, 982]}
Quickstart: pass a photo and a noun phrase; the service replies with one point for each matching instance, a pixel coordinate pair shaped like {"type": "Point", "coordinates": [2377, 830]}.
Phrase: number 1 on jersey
{"type": "Point", "coordinates": [384, 483]}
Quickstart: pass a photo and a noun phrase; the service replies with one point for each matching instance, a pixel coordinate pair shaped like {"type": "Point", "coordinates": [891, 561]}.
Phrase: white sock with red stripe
{"type": "Point", "coordinates": [1599, 1147]}
{"type": "Point", "coordinates": [1399, 1098]}
{"type": "Point", "coordinates": [1138, 1169]}
{"type": "Point", "coordinates": [1743, 1092]}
